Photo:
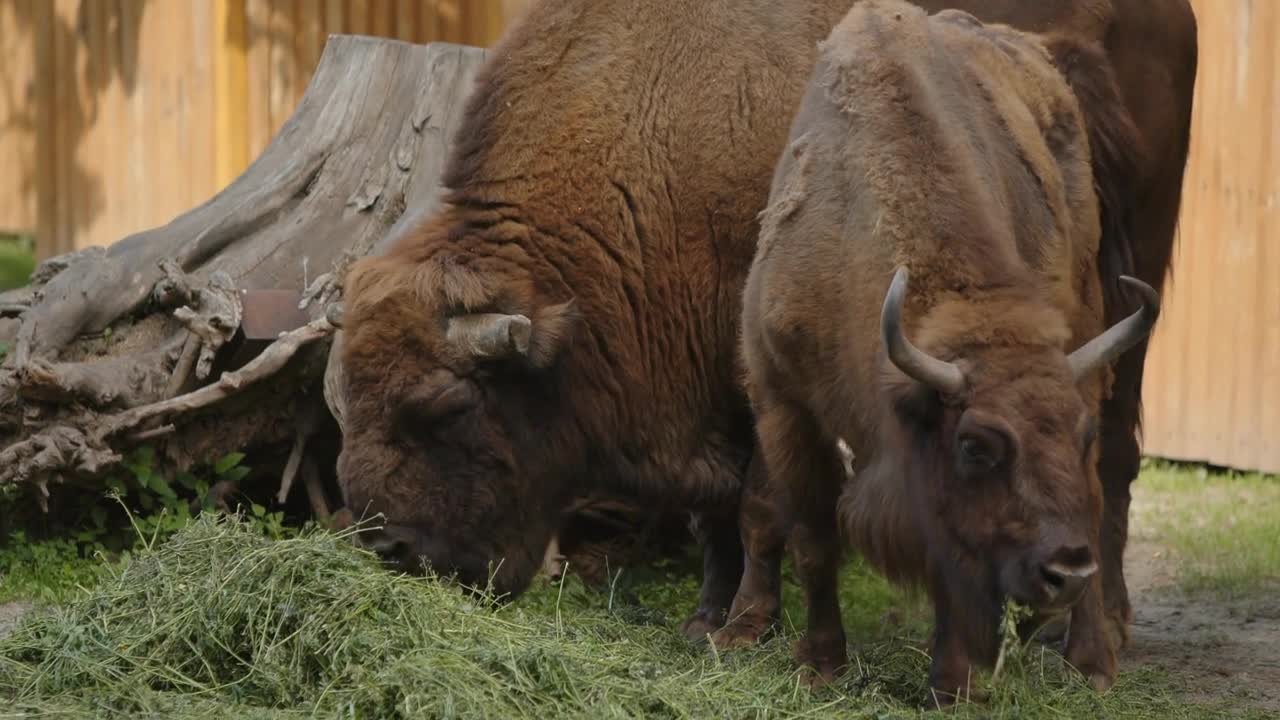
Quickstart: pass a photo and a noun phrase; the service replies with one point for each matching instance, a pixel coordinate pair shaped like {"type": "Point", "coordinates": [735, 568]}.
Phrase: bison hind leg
{"type": "Point", "coordinates": [800, 462]}
{"type": "Point", "coordinates": [756, 606]}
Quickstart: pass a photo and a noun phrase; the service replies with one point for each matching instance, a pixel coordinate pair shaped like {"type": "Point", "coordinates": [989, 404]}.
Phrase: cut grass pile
{"type": "Point", "coordinates": [222, 622]}
{"type": "Point", "coordinates": [1224, 533]}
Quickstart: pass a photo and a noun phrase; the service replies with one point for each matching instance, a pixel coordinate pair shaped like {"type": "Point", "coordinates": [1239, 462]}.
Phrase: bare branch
{"type": "Point", "coordinates": [315, 491]}
{"type": "Point", "coordinates": [268, 363]}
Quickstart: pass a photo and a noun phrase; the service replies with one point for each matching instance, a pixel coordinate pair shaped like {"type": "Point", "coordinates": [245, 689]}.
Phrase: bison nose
{"type": "Point", "coordinates": [412, 549]}
{"type": "Point", "coordinates": [1066, 574]}
{"type": "Point", "coordinates": [388, 542]}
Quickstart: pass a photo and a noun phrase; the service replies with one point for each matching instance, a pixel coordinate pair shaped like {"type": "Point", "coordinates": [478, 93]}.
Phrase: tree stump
{"type": "Point", "coordinates": [216, 332]}
{"type": "Point", "coordinates": [169, 335]}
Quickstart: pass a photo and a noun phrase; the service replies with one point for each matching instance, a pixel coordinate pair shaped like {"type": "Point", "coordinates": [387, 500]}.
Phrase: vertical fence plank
{"type": "Point", "coordinates": [18, 118]}
{"type": "Point", "coordinates": [46, 131]}
{"type": "Point", "coordinates": [405, 25]}
{"type": "Point", "coordinates": [358, 17]}
{"type": "Point", "coordinates": [231, 90]}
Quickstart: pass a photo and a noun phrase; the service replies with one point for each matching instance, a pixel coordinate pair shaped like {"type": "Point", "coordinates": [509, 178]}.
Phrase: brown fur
{"type": "Point", "coordinates": [605, 184]}
{"type": "Point", "coordinates": [958, 150]}
{"type": "Point", "coordinates": [607, 178]}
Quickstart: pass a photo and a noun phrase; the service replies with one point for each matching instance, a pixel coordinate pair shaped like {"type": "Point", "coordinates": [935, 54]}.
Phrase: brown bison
{"type": "Point", "coordinates": [570, 317]}
{"type": "Point", "coordinates": [950, 162]}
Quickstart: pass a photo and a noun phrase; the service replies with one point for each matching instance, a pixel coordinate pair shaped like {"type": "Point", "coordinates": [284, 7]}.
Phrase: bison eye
{"type": "Point", "coordinates": [439, 404]}
{"type": "Point", "coordinates": [978, 454]}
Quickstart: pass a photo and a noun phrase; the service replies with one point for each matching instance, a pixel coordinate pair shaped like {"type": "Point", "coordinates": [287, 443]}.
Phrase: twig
{"type": "Point", "coordinates": [182, 368]}
{"type": "Point", "coordinates": [315, 492]}
{"type": "Point", "coordinates": [275, 357]}
{"type": "Point", "coordinates": [153, 433]}
{"type": "Point", "coordinates": [291, 466]}
{"type": "Point", "coordinates": [60, 447]}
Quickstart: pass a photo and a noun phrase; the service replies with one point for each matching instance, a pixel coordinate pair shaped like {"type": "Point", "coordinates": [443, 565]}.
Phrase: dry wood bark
{"type": "Point", "coordinates": [137, 342]}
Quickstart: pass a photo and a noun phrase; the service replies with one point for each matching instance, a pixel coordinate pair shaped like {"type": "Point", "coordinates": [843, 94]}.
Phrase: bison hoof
{"type": "Point", "coordinates": [1118, 628]}
{"type": "Point", "coordinates": [744, 631]}
{"type": "Point", "coordinates": [702, 623]}
{"type": "Point", "coordinates": [1102, 682]}
{"type": "Point", "coordinates": [821, 662]}
{"type": "Point", "coordinates": [1097, 662]}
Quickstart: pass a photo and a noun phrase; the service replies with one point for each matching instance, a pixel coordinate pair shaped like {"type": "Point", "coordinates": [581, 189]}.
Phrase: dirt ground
{"type": "Point", "coordinates": [10, 612]}
{"type": "Point", "coordinates": [1215, 648]}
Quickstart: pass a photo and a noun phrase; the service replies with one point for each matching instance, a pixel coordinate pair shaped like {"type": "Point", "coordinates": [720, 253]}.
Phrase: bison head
{"type": "Point", "coordinates": [998, 442]}
{"type": "Point", "coordinates": [454, 410]}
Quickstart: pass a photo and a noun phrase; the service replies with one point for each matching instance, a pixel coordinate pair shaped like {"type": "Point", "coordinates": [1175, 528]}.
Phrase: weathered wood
{"type": "Point", "coordinates": [106, 339]}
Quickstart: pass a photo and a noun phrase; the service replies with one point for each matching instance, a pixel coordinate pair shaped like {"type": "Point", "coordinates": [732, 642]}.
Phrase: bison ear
{"type": "Point", "coordinates": [553, 326]}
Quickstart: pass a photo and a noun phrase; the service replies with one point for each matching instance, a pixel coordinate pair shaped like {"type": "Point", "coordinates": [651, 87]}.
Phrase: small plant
{"type": "Point", "coordinates": [141, 506]}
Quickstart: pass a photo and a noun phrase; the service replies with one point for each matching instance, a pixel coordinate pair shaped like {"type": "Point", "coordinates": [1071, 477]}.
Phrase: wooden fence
{"type": "Point", "coordinates": [116, 115]}
{"type": "Point", "coordinates": [1212, 390]}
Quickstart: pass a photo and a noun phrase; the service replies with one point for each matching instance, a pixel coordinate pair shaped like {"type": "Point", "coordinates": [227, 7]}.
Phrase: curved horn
{"type": "Point", "coordinates": [942, 376]}
{"type": "Point", "coordinates": [334, 313]}
{"type": "Point", "coordinates": [1119, 337]}
{"type": "Point", "coordinates": [491, 334]}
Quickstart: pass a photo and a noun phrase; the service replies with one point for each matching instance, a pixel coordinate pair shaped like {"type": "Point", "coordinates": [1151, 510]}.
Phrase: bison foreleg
{"type": "Point", "coordinates": [1118, 464]}
{"type": "Point", "coordinates": [721, 571]}
{"type": "Point", "coordinates": [756, 605]}
{"type": "Point", "coordinates": [1089, 644]}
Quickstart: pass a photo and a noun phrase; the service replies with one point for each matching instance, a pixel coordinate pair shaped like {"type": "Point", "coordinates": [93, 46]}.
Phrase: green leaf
{"type": "Point", "coordinates": [146, 502]}
{"type": "Point", "coordinates": [187, 480]}
{"type": "Point", "coordinates": [145, 455]}
{"type": "Point", "coordinates": [227, 462]}
{"type": "Point", "coordinates": [118, 485]}
{"type": "Point", "coordinates": [99, 516]}
{"type": "Point", "coordinates": [258, 510]}
{"type": "Point", "coordinates": [163, 490]}
{"type": "Point", "coordinates": [143, 474]}
{"type": "Point", "coordinates": [235, 474]}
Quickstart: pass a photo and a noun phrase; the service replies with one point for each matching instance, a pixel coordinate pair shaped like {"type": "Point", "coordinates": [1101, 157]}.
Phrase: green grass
{"type": "Point", "coordinates": [46, 572]}
{"type": "Point", "coordinates": [1223, 533]}
{"type": "Point", "coordinates": [16, 261]}
{"type": "Point", "coordinates": [221, 621]}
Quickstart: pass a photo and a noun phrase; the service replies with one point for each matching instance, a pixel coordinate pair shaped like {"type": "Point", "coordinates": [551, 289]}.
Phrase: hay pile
{"type": "Point", "coordinates": [221, 622]}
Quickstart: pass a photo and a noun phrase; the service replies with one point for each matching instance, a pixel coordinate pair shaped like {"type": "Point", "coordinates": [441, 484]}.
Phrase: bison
{"type": "Point", "coordinates": [950, 161]}
{"type": "Point", "coordinates": [568, 319]}
{"type": "Point", "coordinates": [1152, 49]}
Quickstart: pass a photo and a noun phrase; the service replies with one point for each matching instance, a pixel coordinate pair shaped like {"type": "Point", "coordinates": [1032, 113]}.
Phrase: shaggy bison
{"type": "Point", "coordinates": [948, 161]}
{"type": "Point", "coordinates": [569, 318]}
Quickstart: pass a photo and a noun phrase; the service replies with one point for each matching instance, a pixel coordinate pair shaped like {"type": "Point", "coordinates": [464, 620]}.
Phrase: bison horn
{"type": "Point", "coordinates": [491, 334]}
{"type": "Point", "coordinates": [334, 313]}
{"type": "Point", "coordinates": [940, 375]}
{"type": "Point", "coordinates": [1119, 337]}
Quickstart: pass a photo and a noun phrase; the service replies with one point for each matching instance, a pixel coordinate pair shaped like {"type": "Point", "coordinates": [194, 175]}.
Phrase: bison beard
{"type": "Point", "coordinates": [955, 150]}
